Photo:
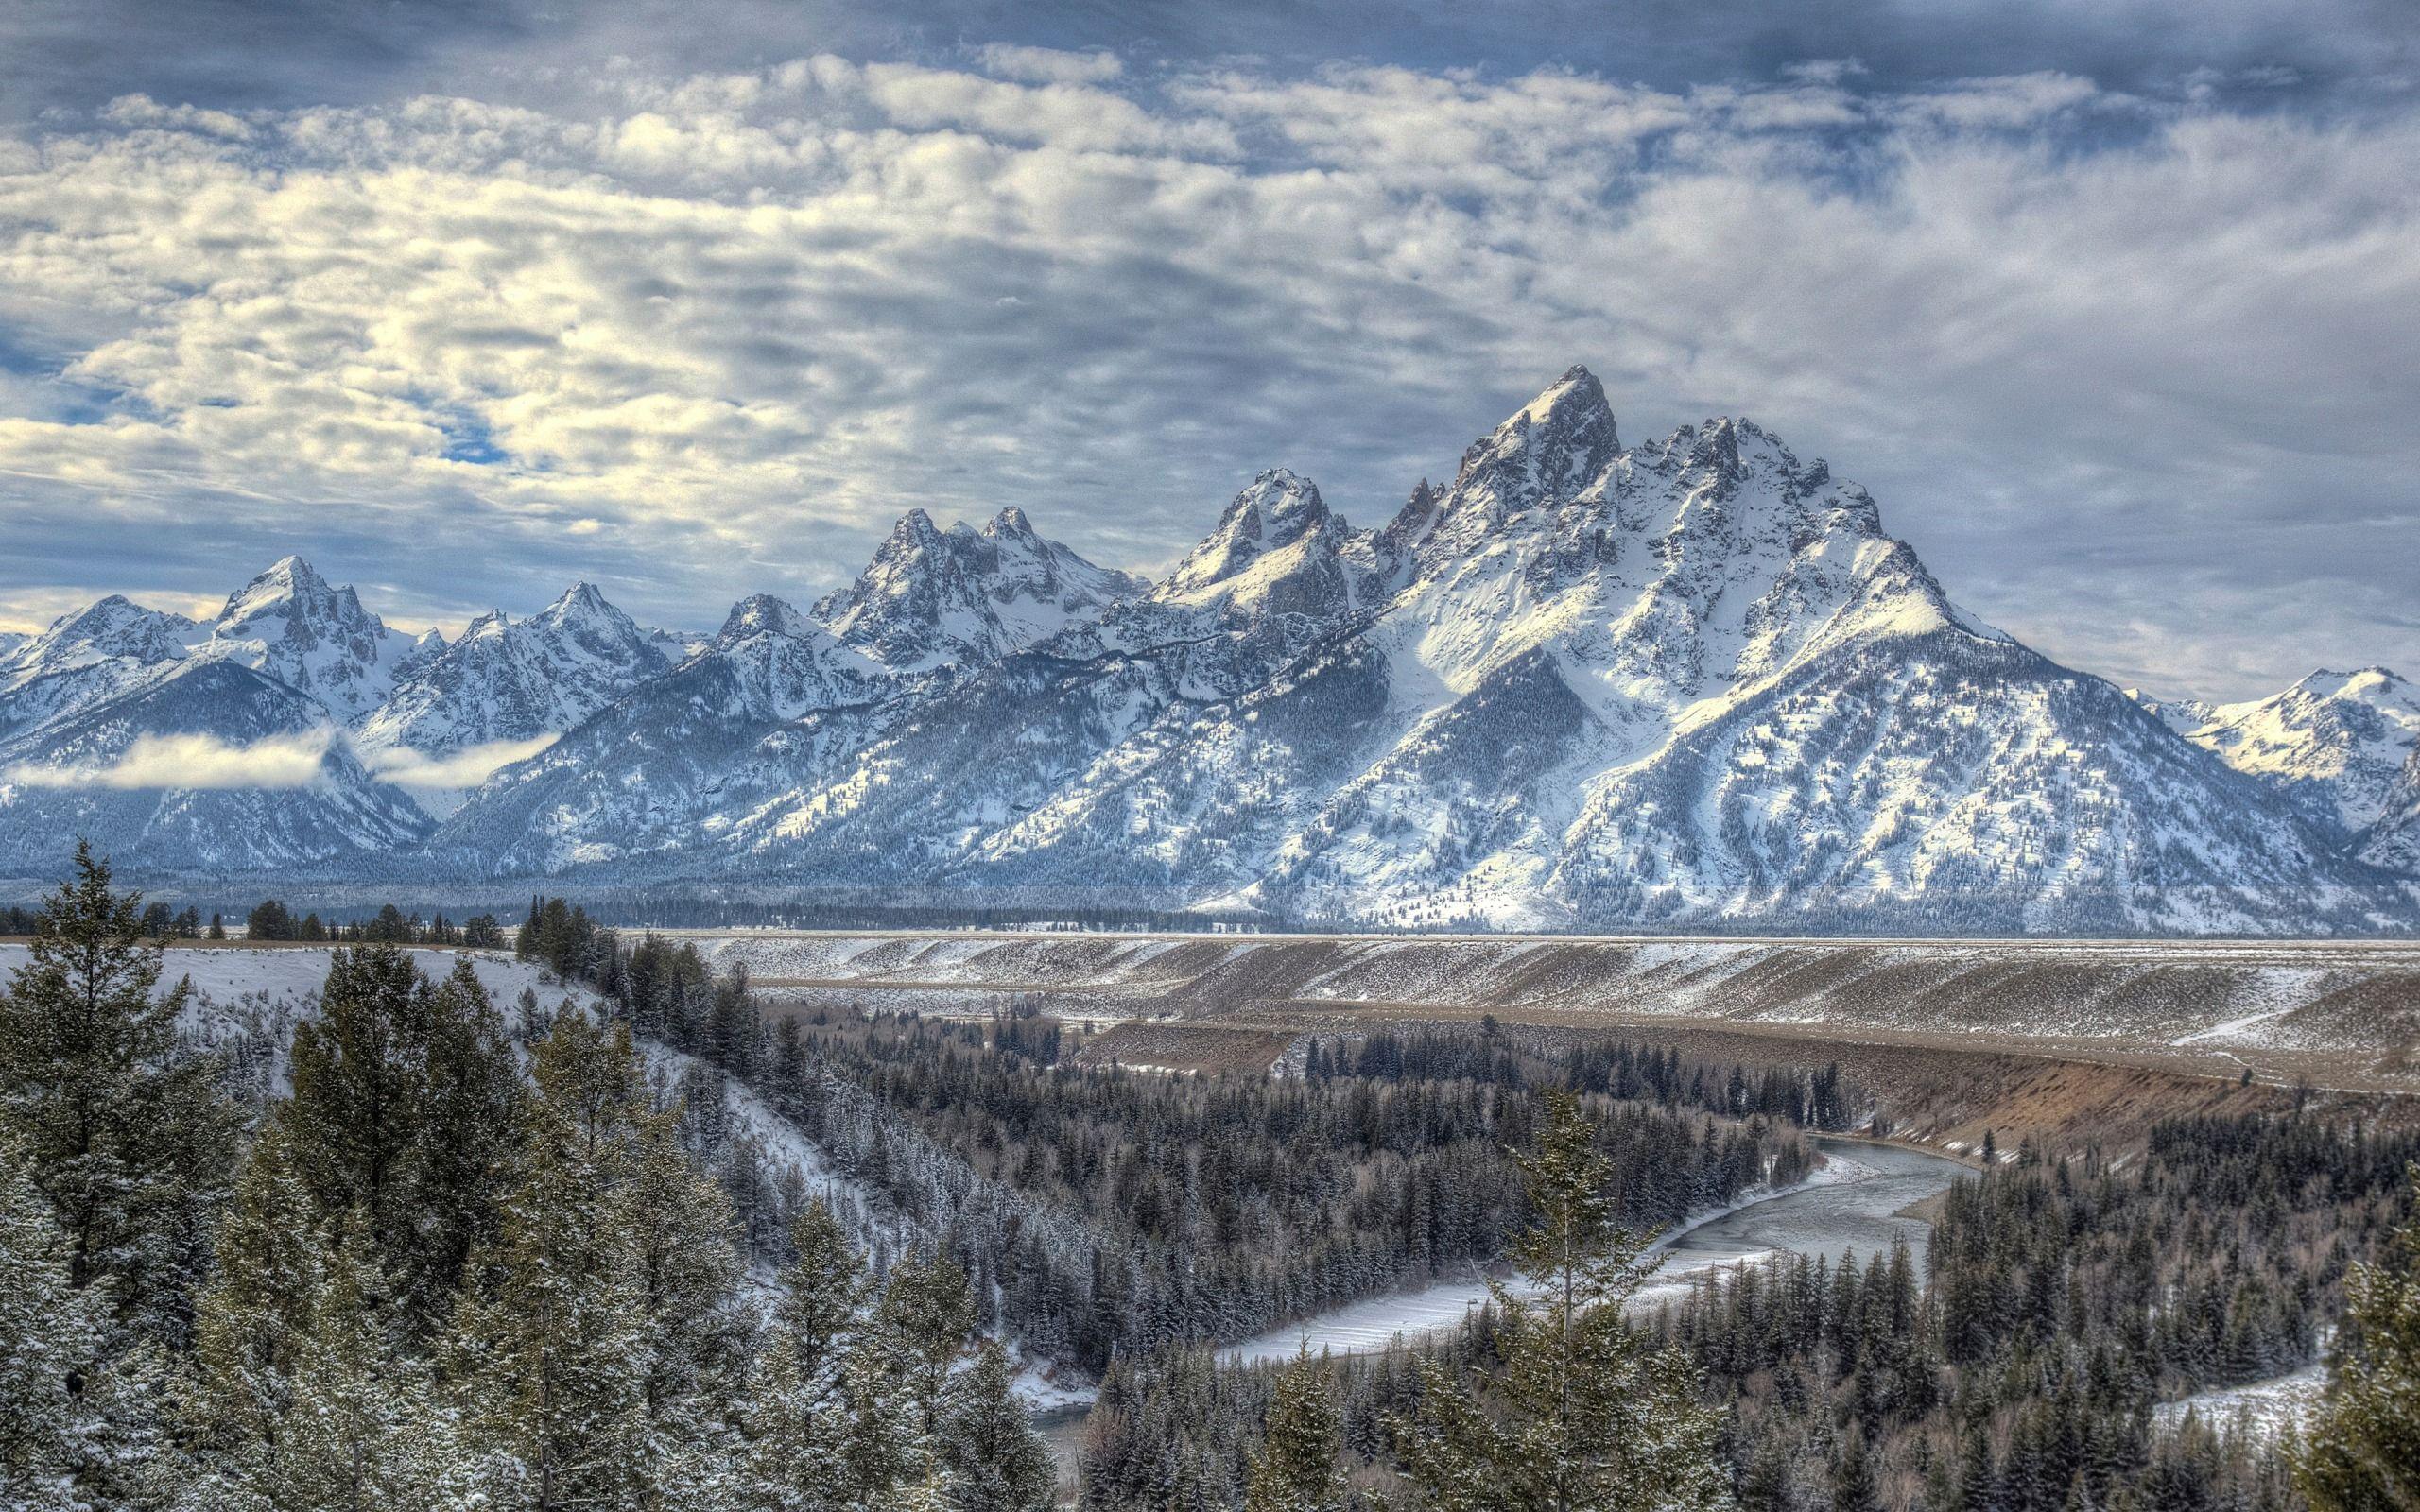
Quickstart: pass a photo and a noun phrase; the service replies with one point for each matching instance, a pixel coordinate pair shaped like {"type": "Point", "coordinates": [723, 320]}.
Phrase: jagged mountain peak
{"type": "Point", "coordinates": [289, 624]}
{"type": "Point", "coordinates": [1277, 508]}
{"type": "Point", "coordinates": [582, 597]}
{"type": "Point", "coordinates": [932, 597]}
{"type": "Point", "coordinates": [287, 582]}
{"type": "Point", "coordinates": [1546, 451]}
{"type": "Point", "coordinates": [504, 688]}
{"type": "Point", "coordinates": [1011, 521]}
{"type": "Point", "coordinates": [114, 625]}
{"type": "Point", "coordinates": [1691, 682]}
{"type": "Point", "coordinates": [763, 614]}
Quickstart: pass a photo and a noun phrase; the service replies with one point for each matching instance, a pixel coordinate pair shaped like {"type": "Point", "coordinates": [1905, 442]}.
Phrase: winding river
{"type": "Point", "coordinates": [1855, 1204]}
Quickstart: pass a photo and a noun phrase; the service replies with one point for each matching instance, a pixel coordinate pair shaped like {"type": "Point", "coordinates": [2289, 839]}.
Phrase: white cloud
{"type": "Point", "coordinates": [711, 336]}
{"type": "Point", "coordinates": [467, 768]}
{"type": "Point", "coordinates": [142, 110]}
{"type": "Point", "coordinates": [192, 761]}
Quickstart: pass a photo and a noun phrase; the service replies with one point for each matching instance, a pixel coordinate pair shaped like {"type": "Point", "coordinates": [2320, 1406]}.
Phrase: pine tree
{"type": "Point", "coordinates": [549, 1355]}
{"type": "Point", "coordinates": [129, 1142]}
{"type": "Point", "coordinates": [252, 1319]}
{"type": "Point", "coordinates": [794, 1415]}
{"type": "Point", "coordinates": [926, 1310]}
{"type": "Point", "coordinates": [995, 1461]}
{"type": "Point", "coordinates": [1583, 1414]}
{"type": "Point", "coordinates": [362, 1431]}
{"type": "Point", "coordinates": [360, 1083]}
{"type": "Point", "coordinates": [65, 1419]}
{"type": "Point", "coordinates": [1296, 1470]}
{"type": "Point", "coordinates": [1853, 1487]}
{"type": "Point", "coordinates": [687, 1276]}
{"type": "Point", "coordinates": [468, 1133]}
{"type": "Point", "coordinates": [2363, 1451]}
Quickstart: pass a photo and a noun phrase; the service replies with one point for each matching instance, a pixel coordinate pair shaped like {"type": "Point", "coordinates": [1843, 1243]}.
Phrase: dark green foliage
{"type": "Point", "coordinates": [127, 1138]}
{"type": "Point", "coordinates": [2364, 1449]}
{"type": "Point", "coordinates": [994, 1460]}
{"type": "Point", "coordinates": [1299, 1467]}
{"type": "Point", "coordinates": [1581, 1412]}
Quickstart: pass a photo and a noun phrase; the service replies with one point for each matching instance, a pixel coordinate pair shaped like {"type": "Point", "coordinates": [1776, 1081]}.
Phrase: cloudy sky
{"type": "Point", "coordinates": [2113, 305]}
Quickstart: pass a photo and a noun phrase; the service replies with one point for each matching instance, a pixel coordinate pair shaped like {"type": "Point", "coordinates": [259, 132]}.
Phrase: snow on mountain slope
{"type": "Point", "coordinates": [1058, 760]}
{"type": "Point", "coordinates": [2182, 716]}
{"type": "Point", "coordinates": [502, 689]}
{"type": "Point", "coordinates": [2336, 743]}
{"type": "Point", "coordinates": [424, 716]}
{"type": "Point", "coordinates": [204, 765]}
{"type": "Point", "coordinates": [660, 772]}
{"type": "Point", "coordinates": [9, 641]}
{"type": "Point", "coordinates": [960, 596]}
{"type": "Point", "coordinates": [1690, 682]}
{"type": "Point", "coordinates": [2394, 840]}
{"type": "Point", "coordinates": [111, 628]}
{"type": "Point", "coordinates": [317, 640]}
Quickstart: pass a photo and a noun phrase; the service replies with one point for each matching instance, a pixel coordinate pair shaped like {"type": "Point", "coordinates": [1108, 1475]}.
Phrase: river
{"type": "Point", "coordinates": [1852, 1205]}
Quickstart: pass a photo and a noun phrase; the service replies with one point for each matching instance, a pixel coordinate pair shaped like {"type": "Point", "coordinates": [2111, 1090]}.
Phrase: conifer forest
{"type": "Point", "coordinates": [648, 1238]}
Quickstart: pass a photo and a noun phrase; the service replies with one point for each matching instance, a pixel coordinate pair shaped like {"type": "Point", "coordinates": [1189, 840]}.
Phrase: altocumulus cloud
{"type": "Point", "coordinates": [2131, 369]}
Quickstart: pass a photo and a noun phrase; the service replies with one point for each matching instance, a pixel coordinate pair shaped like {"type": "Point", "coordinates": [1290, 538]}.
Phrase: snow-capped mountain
{"type": "Point", "coordinates": [962, 596]}
{"type": "Point", "coordinates": [202, 764]}
{"type": "Point", "coordinates": [503, 687]}
{"type": "Point", "coordinates": [1692, 682]}
{"type": "Point", "coordinates": [2394, 840]}
{"type": "Point", "coordinates": [289, 624]}
{"type": "Point", "coordinates": [2184, 715]}
{"type": "Point", "coordinates": [86, 658]}
{"type": "Point", "coordinates": [662, 771]}
{"type": "Point", "coordinates": [2335, 742]}
{"type": "Point", "coordinates": [406, 724]}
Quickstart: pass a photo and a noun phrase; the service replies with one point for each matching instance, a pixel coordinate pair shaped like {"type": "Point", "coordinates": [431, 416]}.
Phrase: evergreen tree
{"type": "Point", "coordinates": [1852, 1486]}
{"type": "Point", "coordinates": [252, 1320]}
{"type": "Point", "coordinates": [468, 1132]}
{"type": "Point", "coordinates": [67, 1419]}
{"type": "Point", "coordinates": [1296, 1470]}
{"type": "Point", "coordinates": [2364, 1449]}
{"type": "Point", "coordinates": [796, 1438]}
{"type": "Point", "coordinates": [549, 1356]}
{"type": "Point", "coordinates": [359, 1080]}
{"type": "Point", "coordinates": [1583, 1414]}
{"type": "Point", "coordinates": [362, 1431]}
{"type": "Point", "coordinates": [994, 1460]}
{"type": "Point", "coordinates": [926, 1311]}
{"type": "Point", "coordinates": [687, 1276]}
{"type": "Point", "coordinates": [129, 1142]}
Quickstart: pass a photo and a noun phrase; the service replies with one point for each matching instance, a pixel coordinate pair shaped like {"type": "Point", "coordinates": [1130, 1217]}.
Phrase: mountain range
{"type": "Point", "coordinates": [1690, 682]}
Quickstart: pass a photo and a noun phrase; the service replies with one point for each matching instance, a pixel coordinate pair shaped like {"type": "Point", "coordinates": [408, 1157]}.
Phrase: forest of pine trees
{"type": "Point", "coordinates": [435, 1252]}
{"type": "Point", "coordinates": [443, 1271]}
